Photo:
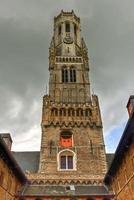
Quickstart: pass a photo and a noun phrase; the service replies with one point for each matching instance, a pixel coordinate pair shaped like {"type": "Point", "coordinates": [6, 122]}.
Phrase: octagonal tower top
{"type": "Point", "coordinates": [70, 15]}
{"type": "Point", "coordinates": [67, 29]}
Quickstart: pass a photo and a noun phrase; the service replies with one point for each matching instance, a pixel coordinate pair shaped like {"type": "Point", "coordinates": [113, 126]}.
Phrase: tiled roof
{"type": "Point", "coordinates": [64, 190]}
{"type": "Point", "coordinates": [109, 158]}
{"type": "Point", "coordinates": [28, 160]}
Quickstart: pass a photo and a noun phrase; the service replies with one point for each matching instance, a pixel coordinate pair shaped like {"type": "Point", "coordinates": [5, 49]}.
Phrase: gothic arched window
{"type": "Point", "coordinates": [66, 160]}
{"type": "Point", "coordinates": [64, 75]}
{"type": "Point", "coordinates": [72, 74]}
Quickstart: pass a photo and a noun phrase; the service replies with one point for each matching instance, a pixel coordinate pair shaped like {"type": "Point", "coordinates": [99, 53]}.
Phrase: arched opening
{"type": "Point", "coordinates": [67, 27]}
{"type": "Point", "coordinates": [66, 160]}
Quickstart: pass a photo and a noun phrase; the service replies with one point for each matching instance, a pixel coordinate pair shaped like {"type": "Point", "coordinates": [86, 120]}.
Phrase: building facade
{"type": "Point", "coordinates": [12, 177]}
{"type": "Point", "coordinates": [120, 176]}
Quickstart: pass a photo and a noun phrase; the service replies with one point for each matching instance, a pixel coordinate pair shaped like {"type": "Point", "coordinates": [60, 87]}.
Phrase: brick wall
{"type": "Point", "coordinates": [123, 181]}
{"type": "Point", "coordinates": [9, 184]}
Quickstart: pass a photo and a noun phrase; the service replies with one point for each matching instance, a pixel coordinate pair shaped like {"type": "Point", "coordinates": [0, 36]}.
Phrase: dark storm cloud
{"type": "Point", "coordinates": [25, 33]}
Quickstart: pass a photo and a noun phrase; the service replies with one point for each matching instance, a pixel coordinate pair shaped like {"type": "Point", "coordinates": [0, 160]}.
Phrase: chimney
{"type": "Point", "coordinates": [7, 139]}
{"type": "Point", "coordinates": [130, 105]}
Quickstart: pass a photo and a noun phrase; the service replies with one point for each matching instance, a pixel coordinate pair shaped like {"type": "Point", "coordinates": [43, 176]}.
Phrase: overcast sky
{"type": "Point", "coordinates": [26, 28]}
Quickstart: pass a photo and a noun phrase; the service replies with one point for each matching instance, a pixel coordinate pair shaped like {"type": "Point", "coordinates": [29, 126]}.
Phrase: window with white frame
{"type": "Point", "coordinates": [66, 160]}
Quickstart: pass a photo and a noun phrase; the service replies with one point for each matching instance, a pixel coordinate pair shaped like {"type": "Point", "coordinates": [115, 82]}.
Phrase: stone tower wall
{"type": "Point", "coordinates": [69, 107]}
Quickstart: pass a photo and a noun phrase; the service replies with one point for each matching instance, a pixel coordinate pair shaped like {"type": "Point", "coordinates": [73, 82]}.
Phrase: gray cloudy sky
{"type": "Point", "coordinates": [25, 32]}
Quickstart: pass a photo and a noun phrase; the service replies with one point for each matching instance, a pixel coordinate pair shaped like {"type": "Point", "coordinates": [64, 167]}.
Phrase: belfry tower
{"type": "Point", "coordinates": [72, 146]}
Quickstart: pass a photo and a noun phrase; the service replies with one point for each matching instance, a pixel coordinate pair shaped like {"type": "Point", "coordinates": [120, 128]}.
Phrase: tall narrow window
{"type": "Point", "coordinates": [64, 75]}
{"type": "Point", "coordinates": [67, 27]}
{"type": "Point", "coordinates": [63, 162]}
{"type": "Point", "coordinates": [59, 29]}
{"type": "Point", "coordinates": [56, 112]}
{"type": "Point", "coordinates": [70, 162]}
{"type": "Point", "coordinates": [88, 112]}
{"type": "Point", "coordinates": [72, 75]}
{"type": "Point", "coordinates": [75, 29]}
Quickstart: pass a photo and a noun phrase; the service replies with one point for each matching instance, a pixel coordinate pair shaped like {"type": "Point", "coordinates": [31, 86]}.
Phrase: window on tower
{"type": "Point", "coordinates": [88, 112]}
{"type": "Point", "coordinates": [66, 139]}
{"type": "Point", "coordinates": [54, 112]}
{"type": "Point", "coordinates": [64, 75]}
{"type": "Point", "coordinates": [59, 29]}
{"type": "Point", "coordinates": [67, 27]}
{"type": "Point", "coordinates": [72, 74]}
{"type": "Point", "coordinates": [66, 160]}
{"type": "Point", "coordinates": [75, 29]}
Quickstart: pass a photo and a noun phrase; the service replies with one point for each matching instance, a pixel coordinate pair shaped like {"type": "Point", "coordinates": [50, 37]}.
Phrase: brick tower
{"type": "Point", "coordinates": [72, 146]}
